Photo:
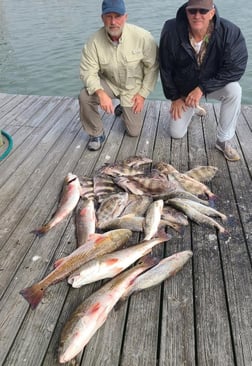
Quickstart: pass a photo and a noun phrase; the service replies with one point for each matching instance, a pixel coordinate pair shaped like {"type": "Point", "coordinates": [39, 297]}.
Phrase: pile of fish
{"type": "Point", "coordinates": [122, 198]}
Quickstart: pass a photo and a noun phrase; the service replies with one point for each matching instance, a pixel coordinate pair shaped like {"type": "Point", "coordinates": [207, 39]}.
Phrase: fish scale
{"type": "Point", "coordinates": [111, 207]}
{"type": "Point", "coordinates": [93, 312]}
{"type": "Point", "coordinates": [98, 244]}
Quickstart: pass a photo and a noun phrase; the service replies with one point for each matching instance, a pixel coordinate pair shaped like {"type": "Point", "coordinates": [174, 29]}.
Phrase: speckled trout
{"type": "Point", "coordinates": [97, 244]}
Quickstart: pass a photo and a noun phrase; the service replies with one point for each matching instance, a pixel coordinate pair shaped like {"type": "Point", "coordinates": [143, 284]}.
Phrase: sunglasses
{"type": "Point", "coordinates": [201, 11]}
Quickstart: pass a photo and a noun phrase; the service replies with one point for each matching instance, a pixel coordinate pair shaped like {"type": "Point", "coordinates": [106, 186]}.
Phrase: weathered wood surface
{"type": "Point", "coordinates": [202, 316]}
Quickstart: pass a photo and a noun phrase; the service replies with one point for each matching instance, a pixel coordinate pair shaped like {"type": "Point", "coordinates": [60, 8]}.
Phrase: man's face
{"type": "Point", "coordinates": [197, 20]}
{"type": "Point", "coordinates": [114, 24]}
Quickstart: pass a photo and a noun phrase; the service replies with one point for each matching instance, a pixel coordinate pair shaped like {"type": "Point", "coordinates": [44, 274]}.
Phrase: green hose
{"type": "Point", "coordinates": [10, 141]}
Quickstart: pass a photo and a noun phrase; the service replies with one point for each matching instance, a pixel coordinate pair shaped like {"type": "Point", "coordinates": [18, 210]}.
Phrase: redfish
{"type": "Point", "coordinates": [166, 268]}
{"type": "Point", "coordinates": [97, 244]}
{"type": "Point", "coordinates": [110, 265]}
{"type": "Point", "coordinates": [93, 312]}
{"type": "Point", "coordinates": [85, 220]}
{"type": "Point", "coordinates": [68, 201]}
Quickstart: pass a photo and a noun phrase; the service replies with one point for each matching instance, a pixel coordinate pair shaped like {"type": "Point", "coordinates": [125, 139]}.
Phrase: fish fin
{"type": "Point", "coordinates": [161, 233]}
{"type": "Point", "coordinates": [212, 200]}
{"type": "Point", "coordinates": [58, 262]}
{"type": "Point", "coordinates": [149, 260]}
{"type": "Point", "coordinates": [224, 235]}
{"type": "Point", "coordinates": [41, 230]}
{"type": "Point", "coordinates": [33, 295]}
{"type": "Point", "coordinates": [120, 303]}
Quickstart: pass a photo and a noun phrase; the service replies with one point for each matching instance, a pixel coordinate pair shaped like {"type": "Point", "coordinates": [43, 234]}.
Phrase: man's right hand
{"type": "Point", "coordinates": [178, 106]}
{"type": "Point", "coordinates": [105, 101]}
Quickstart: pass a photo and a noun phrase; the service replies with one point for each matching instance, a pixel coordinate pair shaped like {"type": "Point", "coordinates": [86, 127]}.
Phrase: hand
{"type": "Point", "coordinates": [193, 98]}
{"type": "Point", "coordinates": [178, 106]}
{"type": "Point", "coordinates": [105, 101]}
{"type": "Point", "coordinates": [138, 103]}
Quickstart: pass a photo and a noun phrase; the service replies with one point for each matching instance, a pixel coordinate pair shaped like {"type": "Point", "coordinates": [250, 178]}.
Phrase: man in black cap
{"type": "Point", "coordinates": [118, 61]}
{"type": "Point", "coordinates": [202, 54]}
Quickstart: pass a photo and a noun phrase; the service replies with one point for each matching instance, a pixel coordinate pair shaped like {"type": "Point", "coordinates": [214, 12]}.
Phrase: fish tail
{"type": "Point", "coordinates": [41, 230]}
{"type": "Point", "coordinates": [33, 294]}
{"type": "Point", "coordinates": [212, 200]}
{"type": "Point", "coordinates": [224, 235]}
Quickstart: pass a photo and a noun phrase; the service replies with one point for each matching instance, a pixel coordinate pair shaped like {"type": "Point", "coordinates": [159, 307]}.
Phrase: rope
{"type": "Point", "coordinates": [10, 141]}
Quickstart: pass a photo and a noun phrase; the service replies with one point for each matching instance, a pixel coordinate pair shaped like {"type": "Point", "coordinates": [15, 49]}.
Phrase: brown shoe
{"type": "Point", "coordinates": [229, 152]}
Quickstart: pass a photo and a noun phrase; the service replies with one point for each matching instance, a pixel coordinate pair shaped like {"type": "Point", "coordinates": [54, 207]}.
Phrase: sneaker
{"type": "Point", "coordinates": [95, 142]}
{"type": "Point", "coordinates": [229, 152]}
{"type": "Point", "coordinates": [118, 110]}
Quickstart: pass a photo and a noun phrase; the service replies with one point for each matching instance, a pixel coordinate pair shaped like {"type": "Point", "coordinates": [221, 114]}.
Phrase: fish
{"type": "Point", "coordinates": [181, 193]}
{"type": "Point", "coordinates": [137, 205]}
{"type": "Point", "coordinates": [146, 184]}
{"type": "Point", "coordinates": [97, 244]}
{"type": "Point", "coordinates": [110, 265]}
{"type": "Point", "coordinates": [85, 220]}
{"type": "Point", "coordinates": [111, 207]}
{"type": "Point", "coordinates": [166, 268]}
{"type": "Point", "coordinates": [104, 186]}
{"type": "Point", "coordinates": [136, 161]}
{"type": "Point", "coordinates": [206, 210]}
{"type": "Point", "coordinates": [196, 215]}
{"type": "Point", "coordinates": [202, 173]}
{"type": "Point", "coordinates": [117, 169]}
{"type": "Point", "coordinates": [165, 168]}
{"type": "Point", "coordinates": [69, 199]}
{"type": "Point", "coordinates": [129, 185]}
{"type": "Point", "coordinates": [177, 227]}
{"type": "Point", "coordinates": [191, 185]}
{"type": "Point", "coordinates": [89, 316]}
{"type": "Point", "coordinates": [136, 223]}
{"type": "Point", "coordinates": [152, 219]}
{"type": "Point", "coordinates": [87, 187]}
{"type": "Point", "coordinates": [174, 216]}
{"type": "Point", "coordinates": [129, 221]}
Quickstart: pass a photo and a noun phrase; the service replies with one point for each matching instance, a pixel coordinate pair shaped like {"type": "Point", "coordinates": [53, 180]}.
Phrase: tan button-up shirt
{"type": "Point", "coordinates": [128, 67]}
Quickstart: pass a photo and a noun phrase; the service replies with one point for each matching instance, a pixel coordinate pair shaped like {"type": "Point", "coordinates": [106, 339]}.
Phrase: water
{"type": "Point", "coordinates": [41, 40]}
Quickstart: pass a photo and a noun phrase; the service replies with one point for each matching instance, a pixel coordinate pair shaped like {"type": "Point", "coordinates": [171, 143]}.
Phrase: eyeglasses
{"type": "Point", "coordinates": [201, 11]}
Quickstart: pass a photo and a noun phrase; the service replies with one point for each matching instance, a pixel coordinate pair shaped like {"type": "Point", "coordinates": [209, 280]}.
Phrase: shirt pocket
{"type": "Point", "coordinates": [106, 67]}
{"type": "Point", "coordinates": [134, 70]}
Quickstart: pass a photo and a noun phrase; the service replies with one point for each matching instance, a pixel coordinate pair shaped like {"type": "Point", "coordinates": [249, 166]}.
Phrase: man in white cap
{"type": "Point", "coordinates": [118, 61]}
{"type": "Point", "coordinates": [202, 54]}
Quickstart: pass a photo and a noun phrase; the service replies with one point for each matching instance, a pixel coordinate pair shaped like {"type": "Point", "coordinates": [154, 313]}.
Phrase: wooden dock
{"type": "Point", "coordinates": [200, 317]}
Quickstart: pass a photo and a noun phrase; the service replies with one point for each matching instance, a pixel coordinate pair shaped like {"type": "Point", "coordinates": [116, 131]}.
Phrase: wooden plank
{"type": "Point", "coordinates": [177, 346]}
{"type": "Point", "coordinates": [8, 103]}
{"type": "Point", "coordinates": [43, 248]}
{"type": "Point", "coordinates": [235, 259]}
{"type": "Point", "coordinates": [244, 130]}
{"type": "Point", "coordinates": [214, 342]}
{"type": "Point", "coordinates": [25, 137]}
{"type": "Point", "coordinates": [200, 316]}
{"type": "Point", "coordinates": [147, 303]}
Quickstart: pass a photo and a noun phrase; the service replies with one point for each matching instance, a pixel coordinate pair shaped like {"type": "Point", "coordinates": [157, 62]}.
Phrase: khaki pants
{"type": "Point", "coordinates": [90, 116]}
{"type": "Point", "coordinates": [230, 98]}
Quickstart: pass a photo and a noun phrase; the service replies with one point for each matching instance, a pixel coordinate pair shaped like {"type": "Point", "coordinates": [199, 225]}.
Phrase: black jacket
{"type": "Point", "coordinates": [225, 60]}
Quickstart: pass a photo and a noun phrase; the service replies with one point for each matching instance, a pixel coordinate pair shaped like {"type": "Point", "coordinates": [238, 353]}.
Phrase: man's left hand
{"type": "Point", "coordinates": [193, 98]}
{"type": "Point", "coordinates": [138, 103]}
